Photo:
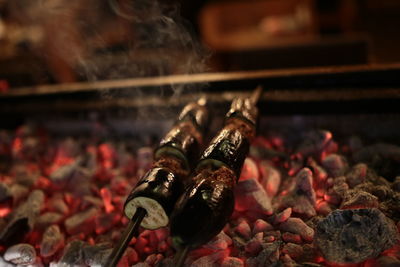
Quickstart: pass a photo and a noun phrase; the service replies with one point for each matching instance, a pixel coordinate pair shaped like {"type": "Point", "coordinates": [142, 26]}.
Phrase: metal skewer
{"type": "Point", "coordinates": [126, 237]}
{"type": "Point", "coordinates": [180, 257]}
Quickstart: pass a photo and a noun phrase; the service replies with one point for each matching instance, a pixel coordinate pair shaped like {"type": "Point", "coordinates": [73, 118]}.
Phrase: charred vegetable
{"type": "Point", "coordinates": [151, 202]}
{"type": "Point", "coordinates": [160, 187]}
{"type": "Point", "coordinates": [205, 207]}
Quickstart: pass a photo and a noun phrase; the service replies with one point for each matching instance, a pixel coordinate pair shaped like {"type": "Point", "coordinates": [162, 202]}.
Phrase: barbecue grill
{"type": "Point", "coordinates": [351, 103]}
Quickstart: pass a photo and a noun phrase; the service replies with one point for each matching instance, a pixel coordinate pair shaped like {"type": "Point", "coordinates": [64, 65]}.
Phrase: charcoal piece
{"type": "Point", "coordinates": [301, 197]}
{"type": "Point", "coordinates": [282, 216]}
{"type": "Point", "coordinates": [154, 259]}
{"type": "Point", "coordinates": [293, 250]}
{"type": "Point", "coordinates": [276, 234]}
{"type": "Point", "coordinates": [336, 165]}
{"type": "Point", "coordinates": [352, 236]}
{"type": "Point", "coordinates": [304, 185]}
{"type": "Point", "coordinates": [295, 164]}
{"type": "Point", "coordinates": [387, 261]}
{"type": "Point", "coordinates": [338, 191]}
{"type": "Point", "coordinates": [18, 192]}
{"type": "Point", "coordinates": [287, 261]}
{"type": "Point", "coordinates": [291, 238]}
{"type": "Point", "coordinates": [90, 251]}
{"type": "Point", "coordinates": [314, 221]}
{"type": "Point", "coordinates": [391, 207]}
{"type": "Point", "coordinates": [358, 174]}
{"type": "Point", "coordinates": [23, 175]}
{"type": "Point", "coordinates": [238, 242]}
{"type": "Point", "coordinates": [5, 192]}
{"type": "Point", "coordinates": [47, 219]}
{"type": "Point", "coordinates": [23, 218]}
{"type": "Point", "coordinates": [300, 205]}
{"type": "Point", "coordinates": [81, 176]}
{"type": "Point", "coordinates": [270, 178]}
{"type": "Point", "coordinates": [62, 174]}
{"type": "Point", "coordinates": [232, 262]}
{"type": "Point", "coordinates": [260, 226]}
{"type": "Point", "coordinates": [323, 208]}
{"type": "Point", "coordinates": [310, 253]}
{"type": "Point", "coordinates": [297, 226]}
{"type": "Point", "coordinates": [383, 192]}
{"type": "Point", "coordinates": [209, 260]}
{"type": "Point", "coordinates": [97, 255]}
{"type": "Point", "coordinates": [320, 174]}
{"type": "Point", "coordinates": [356, 199]}
{"type": "Point", "coordinates": [396, 184]}
{"type": "Point", "coordinates": [145, 264]}
{"type": "Point", "coordinates": [73, 254]}
{"type": "Point", "coordinates": [309, 264]}
{"type": "Point", "coordinates": [52, 241]}
{"type": "Point", "coordinates": [82, 222]}
{"type": "Point", "coordinates": [243, 229]}
{"type": "Point", "coordinates": [268, 256]}
{"type": "Point", "coordinates": [89, 201]}
{"type": "Point", "coordinates": [106, 221]}
{"type": "Point", "coordinates": [250, 195]}
{"type": "Point", "coordinates": [314, 142]}
{"type": "Point", "coordinates": [255, 245]}
{"type": "Point", "coordinates": [383, 158]}
{"type": "Point", "coordinates": [220, 241]}
{"type": "Point", "coordinates": [390, 200]}
{"type": "Point", "coordinates": [249, 170]}
{"type": "Point", "coordinates": [23, 254]}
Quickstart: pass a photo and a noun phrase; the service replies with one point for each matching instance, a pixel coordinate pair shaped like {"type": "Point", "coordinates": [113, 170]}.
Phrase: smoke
{"type": "Point", "coordinates": [111, 39]}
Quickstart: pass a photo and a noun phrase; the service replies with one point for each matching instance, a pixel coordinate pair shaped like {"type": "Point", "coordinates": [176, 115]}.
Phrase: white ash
{"type": "Point", "coordinates": [23, 254]}
{"type": "Point", "coordinates": [4, 263]}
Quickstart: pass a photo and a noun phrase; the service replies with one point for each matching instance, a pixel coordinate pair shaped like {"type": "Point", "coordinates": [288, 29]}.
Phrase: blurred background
{"type": "Point", "coordinates": [60, 41]}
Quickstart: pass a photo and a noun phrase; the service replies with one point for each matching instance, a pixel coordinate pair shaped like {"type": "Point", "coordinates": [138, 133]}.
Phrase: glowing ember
{"type": "Point", "coordinates": [62, 205]}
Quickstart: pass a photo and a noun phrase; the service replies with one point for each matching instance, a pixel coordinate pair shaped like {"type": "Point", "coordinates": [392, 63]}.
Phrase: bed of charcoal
{"type": "Point", "coordinates": [318, 201]}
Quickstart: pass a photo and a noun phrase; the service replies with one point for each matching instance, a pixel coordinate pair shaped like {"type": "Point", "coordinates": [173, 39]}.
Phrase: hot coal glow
{"type": "Point", "coordinates": [314, 203]}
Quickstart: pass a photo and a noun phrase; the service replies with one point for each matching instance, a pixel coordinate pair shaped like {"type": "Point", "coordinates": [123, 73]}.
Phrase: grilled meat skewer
{"type": "Point", "coordinates": [151, 202]}
{"type": "Point", "coordinates": [208, 202]}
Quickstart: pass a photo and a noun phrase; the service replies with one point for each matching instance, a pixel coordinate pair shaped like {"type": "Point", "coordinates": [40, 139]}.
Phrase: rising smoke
{"type": "Point", "coordinates": [109, 39]}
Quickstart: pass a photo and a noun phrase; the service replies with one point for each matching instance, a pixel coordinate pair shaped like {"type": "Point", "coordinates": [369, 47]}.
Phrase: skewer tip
{"type": "Point", "coordinates": [255, 96]}
{"type": "Point", "coordinates": [180, 257]}
{"type": "Point", "coordinates": [202, 101]}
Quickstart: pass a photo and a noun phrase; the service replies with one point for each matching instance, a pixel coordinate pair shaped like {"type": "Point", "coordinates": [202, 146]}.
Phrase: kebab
{"type": "Point", "coordinates": [151, 202]}
{"type": "Point", "coordinates": [207, 203]}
